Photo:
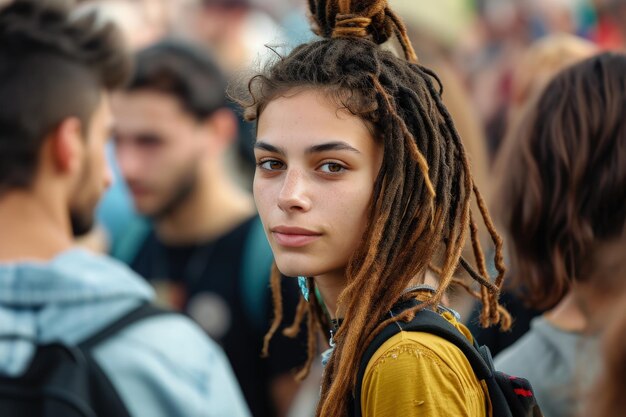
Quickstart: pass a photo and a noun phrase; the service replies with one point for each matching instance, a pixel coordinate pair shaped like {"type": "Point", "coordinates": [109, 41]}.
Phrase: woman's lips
{"type": "Point", "coordinates": [294, 237]}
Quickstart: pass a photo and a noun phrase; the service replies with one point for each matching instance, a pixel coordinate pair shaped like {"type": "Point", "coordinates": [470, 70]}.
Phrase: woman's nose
{"type": "Point", "coordinates": [293, 194]}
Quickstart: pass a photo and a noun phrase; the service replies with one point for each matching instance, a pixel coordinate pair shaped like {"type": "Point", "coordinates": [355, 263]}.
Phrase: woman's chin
{"type": "Point", "coordinates": [296, 270]}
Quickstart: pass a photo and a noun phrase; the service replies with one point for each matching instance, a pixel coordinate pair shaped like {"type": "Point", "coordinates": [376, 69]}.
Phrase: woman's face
{"type": "Point", "coordinates": [316, 168]}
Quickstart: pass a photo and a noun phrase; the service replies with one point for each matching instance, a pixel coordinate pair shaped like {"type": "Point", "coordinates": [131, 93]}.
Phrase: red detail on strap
{"type": "Point", "coordinates": [523, 392]}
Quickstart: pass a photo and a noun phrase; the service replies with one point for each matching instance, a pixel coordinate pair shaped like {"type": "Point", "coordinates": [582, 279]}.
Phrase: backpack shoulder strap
{"type": "Point", "coordinates": [426, 321]}
{"type": "Point", "coordinates": [66, 380]}
{"type": "Point", "coordinates": [433, 323]}
{"type": "Point", "coordinates": [104, 395]}
{"type": "Point", "coordinates": [144, 311]}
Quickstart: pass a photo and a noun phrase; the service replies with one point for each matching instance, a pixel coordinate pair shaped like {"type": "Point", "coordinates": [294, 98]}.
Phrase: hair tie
{"type": "Point", "coordinates": [351, 25]}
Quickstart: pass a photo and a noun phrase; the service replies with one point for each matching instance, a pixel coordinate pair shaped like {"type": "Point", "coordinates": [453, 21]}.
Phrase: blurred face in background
{"type": "Point", "coordinates": [95, 176]}
{"type": "Point", "coordinates": [142, 22]}
{"type": "Point", "coordinates": [221, 25]}
{"type": "Point", "coordinates": [159, 148]}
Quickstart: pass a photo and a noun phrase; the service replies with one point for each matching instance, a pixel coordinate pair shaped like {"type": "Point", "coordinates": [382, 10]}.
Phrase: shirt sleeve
{"type": "Point", "coordinates": [409, 379]}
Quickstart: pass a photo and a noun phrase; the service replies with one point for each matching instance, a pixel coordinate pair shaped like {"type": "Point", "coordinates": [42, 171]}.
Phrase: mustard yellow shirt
{"type": "Point", "coordinates": [420, 374]}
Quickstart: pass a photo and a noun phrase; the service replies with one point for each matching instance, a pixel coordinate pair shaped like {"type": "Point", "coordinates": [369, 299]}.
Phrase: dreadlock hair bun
{"type": "Point", "coordinates": [351, 25]}
{"type": "Point", "coordinates": [370, 19]}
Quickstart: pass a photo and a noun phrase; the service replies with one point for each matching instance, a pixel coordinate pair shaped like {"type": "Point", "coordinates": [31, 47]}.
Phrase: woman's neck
{"type": "Point", "coordinates": [332, 284]}
{"type": "Point", "coordinates": [568, 315]}
{"type": "Point", "coordinates": [585, 307]}
{"type": "Point", "coordinates": [330, 287]}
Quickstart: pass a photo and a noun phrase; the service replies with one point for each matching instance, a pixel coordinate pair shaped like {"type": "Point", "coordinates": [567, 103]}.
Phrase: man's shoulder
{"type": "Point", "coordinates": [168, 363]}
{"type": "Point", "coordinates": [169, 336]}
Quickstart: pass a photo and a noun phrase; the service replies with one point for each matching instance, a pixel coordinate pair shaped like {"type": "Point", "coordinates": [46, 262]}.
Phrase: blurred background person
{"type": "Point", "coordinates": [236, 31]}
{"type": "Point", "coordinates": [541, 62]}
{"type": "Point", "coordinates": [141, 21]}
{"type": "Point", "coordinates": [203, 248]}
{"type": "Point", "coordinates": [561, 201]}
{"type": "Point", "coordinates": [488, 52]}
{"type": "Point", "coordinates": [493, 47]}
{"type": "Point", "coordinates": [610, 32]}
{"type": "Point", "coordinates": [239, 33]}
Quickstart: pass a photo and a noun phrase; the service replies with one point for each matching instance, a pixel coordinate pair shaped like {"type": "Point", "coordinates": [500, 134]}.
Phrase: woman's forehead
{"type": "Point", "coordinates": [309, 117]}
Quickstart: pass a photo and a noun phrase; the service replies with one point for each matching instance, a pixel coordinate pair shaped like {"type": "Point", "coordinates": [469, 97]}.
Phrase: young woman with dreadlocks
{"type": "Point", "coordinates": [364, 188]}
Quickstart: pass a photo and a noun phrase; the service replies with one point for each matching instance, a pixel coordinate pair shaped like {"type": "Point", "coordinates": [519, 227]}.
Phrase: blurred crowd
{"type": "Point", "coordinates": [180, 212]}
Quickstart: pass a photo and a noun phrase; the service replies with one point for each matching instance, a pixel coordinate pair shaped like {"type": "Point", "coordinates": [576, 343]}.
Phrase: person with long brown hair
{"type": "Point", "coordinates": [542, 60]}
{"type": "Point", "coordinates": [563, 205]}
{"type": "Point", "coordinates": [364, 189]}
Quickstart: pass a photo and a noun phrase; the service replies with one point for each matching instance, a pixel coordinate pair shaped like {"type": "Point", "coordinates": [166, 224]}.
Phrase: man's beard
{"type": "Point", "coordinates": [82, 222]}
{"type": "Point", "coordinates": [183, 190]}
{"type": "Point", "coordinates": [82, 219]}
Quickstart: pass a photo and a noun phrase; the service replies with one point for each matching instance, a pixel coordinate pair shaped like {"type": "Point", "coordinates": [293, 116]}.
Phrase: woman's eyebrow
{"type": "Point", "coordinates": [332, 146]}
{"type": "Point", "coordinates": [267, 147]}
{"type": "Point", "coordinates": [323, 147]}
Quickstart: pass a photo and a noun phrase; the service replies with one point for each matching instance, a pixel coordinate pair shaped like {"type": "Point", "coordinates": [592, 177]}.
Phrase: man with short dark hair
{"type": "Point", "coordinates": [57, 69]}
{"type": "Point", "coordinates": [204, 250]}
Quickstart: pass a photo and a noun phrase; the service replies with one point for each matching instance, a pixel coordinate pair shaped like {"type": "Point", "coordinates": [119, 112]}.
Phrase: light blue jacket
{"type": "Point", "coordinates": [165, 366]}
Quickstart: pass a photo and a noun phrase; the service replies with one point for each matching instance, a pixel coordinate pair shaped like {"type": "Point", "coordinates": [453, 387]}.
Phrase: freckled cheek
{"type": "Point", "coordinates": [349, 208]}
{"type": "Point", "coordinates": [265, 196]}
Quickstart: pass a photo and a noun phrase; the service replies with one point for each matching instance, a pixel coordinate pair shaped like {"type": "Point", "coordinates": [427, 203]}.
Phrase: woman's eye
{"type": "Point", "coordinates": [332, 168]}
{"type": "Point", "coordinates": [271, 165]}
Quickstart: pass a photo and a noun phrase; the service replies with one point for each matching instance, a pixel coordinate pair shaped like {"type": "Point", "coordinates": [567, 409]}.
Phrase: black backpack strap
{"type": "Point", "coordinates": [426, 321]}
{"type": "Point", "coordinates": [143, 311]}
{"type": "Point", "coordinates": [104, 396]}
{"type": "Point", "coordinates": [66, 380]}
{"type": "Point", "coordinates": [479, 357]}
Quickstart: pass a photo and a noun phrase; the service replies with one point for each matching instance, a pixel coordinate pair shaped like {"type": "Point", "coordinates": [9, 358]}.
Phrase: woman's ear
{"type": "Point", "coordinates": [67, 146]}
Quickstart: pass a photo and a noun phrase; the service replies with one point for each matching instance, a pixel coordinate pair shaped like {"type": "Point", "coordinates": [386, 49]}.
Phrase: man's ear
{"type": "Point", "coordinates": [67, 145]}
{"type": "Point", "coordinates": [223, 127]}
